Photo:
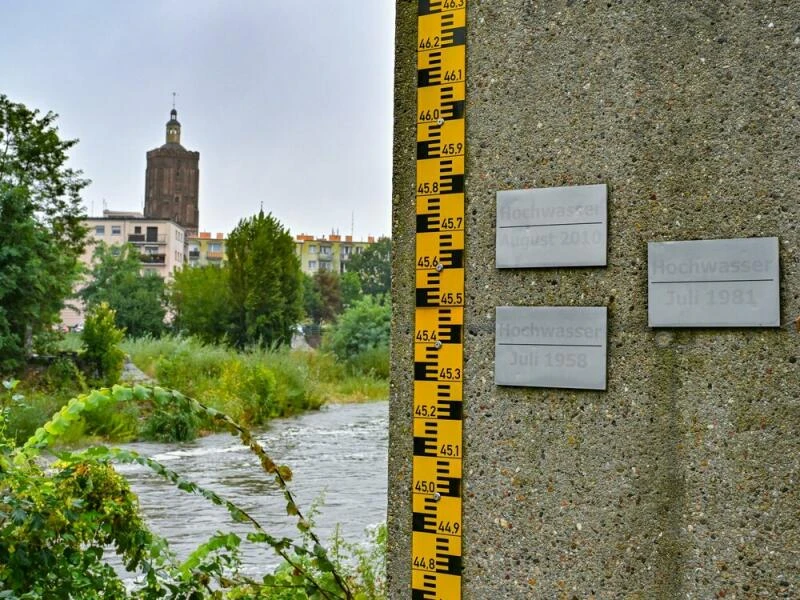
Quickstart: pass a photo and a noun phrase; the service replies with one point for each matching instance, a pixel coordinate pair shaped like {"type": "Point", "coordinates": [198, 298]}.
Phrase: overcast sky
{"type": "Point", "coordinates": [289, 103]}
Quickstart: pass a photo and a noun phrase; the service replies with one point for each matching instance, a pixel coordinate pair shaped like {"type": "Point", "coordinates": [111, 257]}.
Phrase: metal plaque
{"type": "Point", "coordinates": [552, 227]}
{"type": "Point", "coordinates": [551, 346]}
{"type": "Point", "coordinates": [713, 283]}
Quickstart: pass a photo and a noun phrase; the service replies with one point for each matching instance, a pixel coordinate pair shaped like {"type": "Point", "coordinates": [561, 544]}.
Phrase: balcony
{"type": "Point", "coordinates": [140, 238]}
{"type": "Point", "coordinates": [154, 259]}
{"type": "Point", "coordinates": [214, 255]}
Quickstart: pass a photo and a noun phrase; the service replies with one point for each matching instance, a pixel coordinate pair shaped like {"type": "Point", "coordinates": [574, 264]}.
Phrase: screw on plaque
{"type": "Point", "coordinates": [439, 267]}
{"type": "Point", "coordinates": [436, 496]}
{"type": "Point", "coordinates": [437, 344]}
{"type": "Point", "coordinates": [440, 121]}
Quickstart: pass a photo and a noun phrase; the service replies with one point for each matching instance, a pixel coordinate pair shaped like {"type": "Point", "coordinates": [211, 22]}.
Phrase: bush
{"type": "Point", "coordinates": [363, 326]}
{"type": "Point", "coordinates": [103, 357]}
{"type": "Point", "coordinates": [373, 362]}
{"type": "Point", "coordinates": [171, 420]}
{"type": "Point", "coordinates": [63, 374]}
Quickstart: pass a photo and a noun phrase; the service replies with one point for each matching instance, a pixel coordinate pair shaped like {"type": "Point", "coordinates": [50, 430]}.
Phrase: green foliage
{"type": "Point", "coordinates": [201, 300]}
{"type": "Point", "coordinates": [42, 234]}
{"type": "Point", "coordinates": [373, 267]}
{"type": "Point", "coordinates": [137, 299]}
{"type": "Point", "coordinates": [372, 361]}
{"type": "Point", "coordinates": [252, 386]}
{"type": "Point", "coordinates": [36, 275]}
{"type": "Point", "coordinates": [220, 376]}
{"type": "Point", "coordinates": [57, 525]}
{"type": "Point", "coordinates": [363, 326]}
{"type": "Point", "coordinates": [173, 419]}
{"type": "Point", "coordinates": [322, 296]}
{"type": "Point", "coordinates": [265, 282]}
{"type": "Point", "coordinates": [63, 374]}
{"type": "Point", "coordinates": [101, 337]}
{"type": "Point", "coordinates": [350, 284]}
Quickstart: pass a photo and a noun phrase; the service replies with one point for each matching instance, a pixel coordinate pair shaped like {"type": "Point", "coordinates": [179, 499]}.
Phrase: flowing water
{"type": "Point", "coordinates": [337, 454]}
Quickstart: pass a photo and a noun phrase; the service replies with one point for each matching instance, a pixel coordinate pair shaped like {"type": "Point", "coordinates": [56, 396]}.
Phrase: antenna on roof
{"type": "Point", "coordinates": [173, 100]}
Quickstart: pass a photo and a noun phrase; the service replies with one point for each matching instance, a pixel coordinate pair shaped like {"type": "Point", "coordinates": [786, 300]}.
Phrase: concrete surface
{"type": "Point", "coordinates": [681, 480]}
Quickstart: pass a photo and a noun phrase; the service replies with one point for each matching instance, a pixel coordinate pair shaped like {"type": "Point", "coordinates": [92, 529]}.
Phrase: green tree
{"type": "Point", "coordinates": [201, 300]}
{"type": "Point", "coordinates": [373, 267]}
{"type": "Point", "coordinates": [351, 288]}
{"type": "Point", "coordinates": [312, 301]}
{"type": "Point", "coordinates": [42, 235]}
{"type": "Point", "coordinates": [322, 296]}
{"type": "Point", "coordinates": [137, 299]}
{"type": "Point", "coordinates": [265, 280]}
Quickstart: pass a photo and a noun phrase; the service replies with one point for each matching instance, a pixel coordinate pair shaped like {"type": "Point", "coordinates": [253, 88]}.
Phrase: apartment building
{"type": "Point", "coordinates": [161, 242]}
{"type": "Point", "coordinates": [327, 253]}
{"type": "Point", "coordinates": [205, 250]}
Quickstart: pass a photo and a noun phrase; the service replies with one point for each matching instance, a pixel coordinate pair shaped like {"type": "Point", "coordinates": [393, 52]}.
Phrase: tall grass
{"type": "Point", "coordinates": [256, 384]}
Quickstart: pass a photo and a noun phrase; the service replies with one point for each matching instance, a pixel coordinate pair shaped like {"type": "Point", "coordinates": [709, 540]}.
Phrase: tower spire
{"type": "Point", "coordinates": [173, 126]}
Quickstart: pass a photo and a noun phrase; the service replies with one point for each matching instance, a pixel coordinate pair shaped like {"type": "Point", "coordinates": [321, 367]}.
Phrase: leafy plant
{"type": "Point", "coordinates": [101, 337]}
{"type": "Point", "coordinates": [42, 236]}
{"type": "Point", "coordinates": [360, 328]}
{"type": "Point", "coordinates": [103, 524]}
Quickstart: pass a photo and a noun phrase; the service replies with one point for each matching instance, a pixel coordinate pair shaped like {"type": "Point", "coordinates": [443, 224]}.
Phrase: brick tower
{"type": "Point", "coordinates": [171, 180]}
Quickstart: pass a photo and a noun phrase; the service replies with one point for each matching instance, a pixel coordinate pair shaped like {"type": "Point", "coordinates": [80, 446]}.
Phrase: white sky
{"type": "Point", "coordinates": [289, 103]}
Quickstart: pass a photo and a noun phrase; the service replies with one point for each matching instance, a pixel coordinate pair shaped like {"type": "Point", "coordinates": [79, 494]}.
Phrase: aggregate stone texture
{"type": "Point", "coordinates": [680, 480]}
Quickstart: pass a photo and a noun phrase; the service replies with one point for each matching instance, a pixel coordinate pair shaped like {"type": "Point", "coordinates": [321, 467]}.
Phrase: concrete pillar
{"type": "Point", "coordinates": [681, 480]}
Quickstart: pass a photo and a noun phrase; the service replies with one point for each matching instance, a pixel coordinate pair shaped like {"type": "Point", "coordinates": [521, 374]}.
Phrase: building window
{"type": "Point", "coordinates": [312, 249]}
{"type": "Point", "coordinates": [215, 247]}
{"type": "Point", "coordinates": [99, 229]}
{"type": "Point", "coordinates": [325, 250]}
{"type": "Point", "coordinates": [151, 249]}
{"type": "Point", "coordinates": [137, 229]}
{"type": "Point", "coordinates": [116, 230]}
{"type": "Point", "coordinates": [312, 265]}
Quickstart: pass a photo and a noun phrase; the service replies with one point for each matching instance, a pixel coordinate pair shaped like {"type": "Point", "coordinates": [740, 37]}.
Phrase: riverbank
{"type": "Point", "coordinates": [252, 387]}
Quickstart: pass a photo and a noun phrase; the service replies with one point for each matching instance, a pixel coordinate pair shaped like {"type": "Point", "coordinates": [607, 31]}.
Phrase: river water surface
{"type": "Point", "coordinates": [337, 454]}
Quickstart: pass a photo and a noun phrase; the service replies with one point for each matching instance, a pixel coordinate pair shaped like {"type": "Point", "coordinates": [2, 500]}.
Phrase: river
{"type": "Point", "coordinates": [337, 454]}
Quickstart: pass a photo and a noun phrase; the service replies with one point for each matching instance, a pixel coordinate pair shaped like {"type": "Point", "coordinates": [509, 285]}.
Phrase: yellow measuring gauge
{"type": "Point", "coordinates": [439, 315]}
{"type": "Point", "coordinates": [435, 140]}
{"type": "Point", "coordinates": [440, 102]}
{"type": "Point", "coordinates": [440, 176]}
{"type": "Point", "coordinates": [440, 288]}
{"type": "Point", "coordinates": [440, 213]}
{"type": "Point", "coordinates": [441, 67]}
{"type": "Point", "coordinates": [440, 30]}
{"type": "Point", "coordinates": [442, 250]}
